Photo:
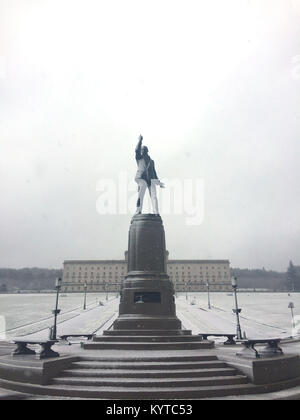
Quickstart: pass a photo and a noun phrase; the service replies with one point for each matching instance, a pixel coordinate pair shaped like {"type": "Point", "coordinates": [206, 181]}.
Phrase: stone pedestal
{"type": "Point", "coordinates": [147, 295]}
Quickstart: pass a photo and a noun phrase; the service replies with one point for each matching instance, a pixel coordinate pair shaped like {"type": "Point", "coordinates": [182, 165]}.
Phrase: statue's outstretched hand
{"type": "Point", "coordinates": [162, 185]}
{"type": "Point", "coordinates": [141, 138]}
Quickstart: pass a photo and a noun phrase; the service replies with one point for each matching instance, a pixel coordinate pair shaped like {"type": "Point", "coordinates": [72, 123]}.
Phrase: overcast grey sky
{"type": "Point", "coordinates": [213, 86]}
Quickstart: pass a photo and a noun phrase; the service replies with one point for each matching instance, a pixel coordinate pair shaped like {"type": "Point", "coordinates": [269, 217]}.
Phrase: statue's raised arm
{"type": "Point", "coordinates": [138, 149]}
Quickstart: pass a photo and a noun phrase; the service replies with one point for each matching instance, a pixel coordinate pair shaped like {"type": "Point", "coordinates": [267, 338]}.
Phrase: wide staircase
{"type": "Point", "coordinates": [159, 377]}
{"type": "Point", "coordinates": [139, 374]}
{"type": "Point", "coordinates": [179, 365]}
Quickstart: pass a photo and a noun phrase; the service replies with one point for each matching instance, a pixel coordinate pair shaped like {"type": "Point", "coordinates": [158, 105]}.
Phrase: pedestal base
{"type": "Point", "coordinates": [147, 295]}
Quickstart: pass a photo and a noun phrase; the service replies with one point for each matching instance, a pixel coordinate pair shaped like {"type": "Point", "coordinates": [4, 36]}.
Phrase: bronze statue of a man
{"type": "Point", "coordinates": [146, 177]}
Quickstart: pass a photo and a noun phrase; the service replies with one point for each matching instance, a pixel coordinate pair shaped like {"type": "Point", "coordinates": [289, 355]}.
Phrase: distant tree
{"type": "Point", "coordinates": [28, 278]}
{"type": "Point", "coordinates": [3, 288]}
{"type": "Point", "coordinates": [291, 277]}
{"type": "Point", "coordinates": [298, 278]}
{"type": "Point", "coordinates": [260, 279]}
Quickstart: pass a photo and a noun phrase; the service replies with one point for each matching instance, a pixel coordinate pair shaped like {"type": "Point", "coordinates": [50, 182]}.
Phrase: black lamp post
{"type": "Point", "coordinates": [208, 296]}
{"type": "Point", "coordinates": [291, 307]}
{"type": "Point", "coordinates": [56, 311]}
{"type": "Point", "coordinates": [186, 294]}
{"type": "Point", "coordinates": [237, 310]}
{"type": "Point", "coordinates": [84, 301]}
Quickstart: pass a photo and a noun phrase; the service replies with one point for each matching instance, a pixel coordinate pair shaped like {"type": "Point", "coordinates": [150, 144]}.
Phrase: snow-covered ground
{"type": "Point", "coordinates": [32, 314]}
{"type": "Point", "coordinates": [263, 314]}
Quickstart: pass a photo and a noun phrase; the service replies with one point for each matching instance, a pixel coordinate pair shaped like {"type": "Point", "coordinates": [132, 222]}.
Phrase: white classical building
{"type": "Point", "coordinates": [107, 275]}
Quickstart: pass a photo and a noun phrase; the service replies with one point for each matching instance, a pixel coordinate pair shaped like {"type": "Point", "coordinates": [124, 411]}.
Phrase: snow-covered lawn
{"type": "Point", "coordinates": [26, 314]}
{"type": "Point", "coordinates": [263, 314]}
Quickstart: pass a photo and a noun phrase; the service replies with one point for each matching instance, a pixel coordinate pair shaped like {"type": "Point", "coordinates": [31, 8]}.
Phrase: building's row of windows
{"type": "Point", "coordinates": [116, 287]}
{"type": "Point", "coordinates": [172, 277]}
{"type": "Point", "coordinates": [92, 275]}
{"type": "Point", "coordinates": [199, 275]}
{"type": "Point", "coordinates": [102, 281]}
{"type": "Point", "coordinates": [200, 271]}
{"type": "Point", "coordinates": [177, 284]}
{"type": "Point", "coordinates": [119, 278]}
{"type": "Point", "coordinates": [74, 288]}
{"type": "Point", "coordinates": [198, 267]}
{"type": "Point", "coordinates": [175, 278]}
{"type": "Point", "coordinates": [170, 267]}
{"type": "Point", "coordinates": [92, 271]}
{"type": "Point", "coordinates": [67, 274]}
{"type": "Point", "coordinates": [98, 268]}
{"type": "Point", "coordinates": [117, 267]}
{"type": "Point", "coordinates": [202, 281]}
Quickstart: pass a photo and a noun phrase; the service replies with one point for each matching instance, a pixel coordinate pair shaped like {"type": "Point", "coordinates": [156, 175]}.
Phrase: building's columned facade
{"type": "Point", "coordinates": [107, 275]}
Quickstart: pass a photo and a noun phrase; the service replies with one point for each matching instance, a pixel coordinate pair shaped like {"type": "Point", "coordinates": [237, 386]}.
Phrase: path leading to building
{"type": "Point", "coordinates": [200, 319]}
{"type": "Point", "coordinates": [90, 321]}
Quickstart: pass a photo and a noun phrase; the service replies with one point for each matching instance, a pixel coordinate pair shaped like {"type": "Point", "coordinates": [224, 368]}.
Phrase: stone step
{"type": "Point", "coordinates": [137, 393]}
{"type": "Point", "coordinates": [151, 382]}
{"type": "Point", "coordinates": [150, 365]}
{"type": "Point", "coordinates": [129, 373]}
{"type": "Point", "coordinates": [148, 345]}
{"type": "Point", "coordinates": [6, 395]}
{"type": "Point", "coordinates": [146, 332]}
{"type": "Point", "coordinates": [147, 339]}
{"type": "Point", "coordinates": [249, 391]}
{"type": "Point", "coordinates": [200, 357]}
